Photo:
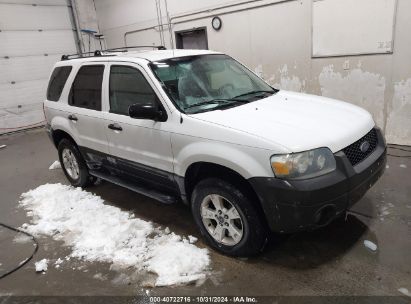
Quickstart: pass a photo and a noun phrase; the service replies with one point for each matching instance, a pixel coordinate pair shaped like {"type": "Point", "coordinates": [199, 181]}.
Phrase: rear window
{"type": "Point", "coordinates": [86, 89]}
{"type": "Point", "coordinates": [57, 82]}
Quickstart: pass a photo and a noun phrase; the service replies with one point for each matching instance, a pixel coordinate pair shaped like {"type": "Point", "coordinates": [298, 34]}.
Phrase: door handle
{"type": "Point", "coordinates": [72, 117]}
{"type": "Point", "coordinates": [115, 127]}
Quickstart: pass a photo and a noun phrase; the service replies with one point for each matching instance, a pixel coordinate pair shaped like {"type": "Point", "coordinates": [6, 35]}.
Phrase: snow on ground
{"type": "Point", "coordinates": [169, 256]}
{"type": "Point", "coordinates": [192, 239]}
{"type": "Point", "coordinates": [58, 263]}
{"type": "Point", "coordinates": [22, 239]}
{"type": "Point", "coordinates": [55, 165]}
{"type": "Point", "coordinates": [405, 291]}
{"type": "Point", "coordinates": [386, 209]}
{"type": "Point", "coordinates": [100, 276]}
{"type": "Point", "coordinates": [41, 266]}
{"type": "Point", "coordinates": [104, 233]}
{"type": "Point", "coordinates": [370, 245]}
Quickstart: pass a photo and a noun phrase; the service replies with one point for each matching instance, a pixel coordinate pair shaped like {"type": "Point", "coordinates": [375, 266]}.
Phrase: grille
{"type": "Point", "coordinates": [353, 151]}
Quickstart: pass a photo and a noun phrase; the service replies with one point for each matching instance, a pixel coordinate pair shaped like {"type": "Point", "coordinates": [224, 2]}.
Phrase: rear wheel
{"type": "Point", "coordinates": [227, 218]}
{"type": "Point", "coordinates": [73, 164]}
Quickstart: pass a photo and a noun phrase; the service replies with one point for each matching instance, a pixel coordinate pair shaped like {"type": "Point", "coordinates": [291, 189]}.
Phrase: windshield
{"type": "Point", "coordinates": [208, 82]}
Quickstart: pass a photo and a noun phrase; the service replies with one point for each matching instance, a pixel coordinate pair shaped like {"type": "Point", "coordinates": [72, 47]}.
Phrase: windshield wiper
{"type": "Point", "coordinates": [219, 101]}
{"type": "Point", "coordinates": [255, 92]}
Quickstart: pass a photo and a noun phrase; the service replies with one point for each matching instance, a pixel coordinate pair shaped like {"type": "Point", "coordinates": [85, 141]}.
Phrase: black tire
{"type": "Point", "coordinates": [84, 178]}
{"type": "Point", "coordinates": [254, 236]}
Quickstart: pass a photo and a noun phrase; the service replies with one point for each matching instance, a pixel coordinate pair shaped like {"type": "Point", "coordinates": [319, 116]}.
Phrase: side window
{"type": "Point", "coordinates": [57, 82]}
{"type": "Point", "coordinates": [128, 86]}
{"type": "Point", "coordinates": [86, 89]}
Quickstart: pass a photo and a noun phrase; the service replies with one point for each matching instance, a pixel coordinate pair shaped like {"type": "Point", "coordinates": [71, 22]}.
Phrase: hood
{"type": "Point", "coordinates": [297, 121]}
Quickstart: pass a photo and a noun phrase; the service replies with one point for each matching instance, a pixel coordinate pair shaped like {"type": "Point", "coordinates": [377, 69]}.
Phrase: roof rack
{"type": "Point", "coordinates": [126, 48]}
{"type": "Point", "coordinates": [81, 55]}
{"type": "Point", "coordinates": [100, 53]}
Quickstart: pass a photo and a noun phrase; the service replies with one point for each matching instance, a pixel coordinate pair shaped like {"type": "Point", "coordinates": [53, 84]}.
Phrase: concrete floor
{"type": "Point", "coordinates": [330, 261]}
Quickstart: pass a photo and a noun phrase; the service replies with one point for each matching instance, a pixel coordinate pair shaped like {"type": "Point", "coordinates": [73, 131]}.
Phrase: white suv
{"type": "Point", "coordinates": [199, 127]}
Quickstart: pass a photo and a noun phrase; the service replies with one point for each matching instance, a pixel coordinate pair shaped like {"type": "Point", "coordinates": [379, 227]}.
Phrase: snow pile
{"type": "Point", "coordinates": [99, 232]}
{"type": "Point", "coordinates": [41, 266]}
{"type": "Point", "coordinates": [55, 165]}
{"type": "Point", "coordinates": [370, 245]}
{"type": "Point", "coordinates": [176, 261]}
{"type": "Point", "coordinates": [403, 166]}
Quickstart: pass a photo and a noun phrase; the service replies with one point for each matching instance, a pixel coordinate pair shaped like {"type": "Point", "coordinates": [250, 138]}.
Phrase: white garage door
{"type": "Point", "coordinates": [33, 36]}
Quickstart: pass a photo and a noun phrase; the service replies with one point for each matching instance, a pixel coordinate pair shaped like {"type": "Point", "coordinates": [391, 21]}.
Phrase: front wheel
{"type": "Point", "coordinates": [227, 218]}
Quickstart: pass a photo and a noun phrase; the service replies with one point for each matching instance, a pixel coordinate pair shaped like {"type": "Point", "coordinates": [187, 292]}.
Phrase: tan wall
{"type": "Point", "coordinates": [275, 41]}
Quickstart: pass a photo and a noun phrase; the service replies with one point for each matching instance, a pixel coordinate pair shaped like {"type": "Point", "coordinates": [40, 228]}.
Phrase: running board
{"type": "Point", "coordinates": [161, 197]}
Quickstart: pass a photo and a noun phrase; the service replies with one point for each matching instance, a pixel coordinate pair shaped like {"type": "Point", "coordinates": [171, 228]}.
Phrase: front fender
{"type": "Point", "coordinates": [246, 161]}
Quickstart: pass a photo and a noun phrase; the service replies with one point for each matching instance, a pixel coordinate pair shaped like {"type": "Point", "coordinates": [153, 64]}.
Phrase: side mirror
{"type": "Point", "coordinates": [146, 111]}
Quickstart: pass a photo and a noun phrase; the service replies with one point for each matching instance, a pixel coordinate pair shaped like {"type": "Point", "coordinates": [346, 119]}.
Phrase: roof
{"type": "Point", "coordinates": [150, 55]}
{"type": "Point", "coordinates": [154, 55]}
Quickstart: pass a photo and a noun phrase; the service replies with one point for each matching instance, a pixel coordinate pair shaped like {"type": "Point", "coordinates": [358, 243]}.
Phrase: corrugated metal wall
{"type": "Point", "coordinates": [33, 36]}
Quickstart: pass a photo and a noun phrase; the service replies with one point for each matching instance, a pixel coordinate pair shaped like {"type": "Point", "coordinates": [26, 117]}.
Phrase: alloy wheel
{"type": "Point", "coordinates": [222, 220]}
{"type": "Point", "coordinates": [70, 164]}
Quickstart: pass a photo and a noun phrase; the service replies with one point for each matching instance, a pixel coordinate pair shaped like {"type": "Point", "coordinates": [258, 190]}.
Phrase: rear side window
{"type": "Point", "coordinates": [57, 82]}
{"type": "Point", "coordinates": [86, 89]}
{"type": "Point", "coordinates": [127, 87]}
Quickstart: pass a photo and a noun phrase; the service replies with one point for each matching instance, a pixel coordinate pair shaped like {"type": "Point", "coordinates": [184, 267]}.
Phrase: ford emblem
{"type": "Point", "coordinates": [364, 146]}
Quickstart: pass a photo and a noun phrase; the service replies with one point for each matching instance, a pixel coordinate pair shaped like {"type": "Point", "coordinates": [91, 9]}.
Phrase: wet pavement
{"type": "Point", "coordinates": [329, 261]}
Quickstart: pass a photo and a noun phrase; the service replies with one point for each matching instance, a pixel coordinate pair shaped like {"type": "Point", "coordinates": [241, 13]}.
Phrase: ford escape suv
{"type": "Point", "coordinates": [199, 127]}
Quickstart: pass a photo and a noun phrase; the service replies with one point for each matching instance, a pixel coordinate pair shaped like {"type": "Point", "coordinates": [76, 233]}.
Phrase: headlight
{"type": "Point", "coordinates": [304, 164]}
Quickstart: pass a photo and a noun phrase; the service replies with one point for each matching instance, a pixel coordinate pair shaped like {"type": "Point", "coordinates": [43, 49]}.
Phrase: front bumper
{"type": "Point", "coordinates": [296, 205]}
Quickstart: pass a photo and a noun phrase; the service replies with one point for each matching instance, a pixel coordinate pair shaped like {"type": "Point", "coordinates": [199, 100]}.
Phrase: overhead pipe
{"type": "Point", "coordinates": [225, 13]}
{"type": "Point", "coordinates": [32, 4]}
{"type": "Point", "coordinates": [209, 10]}
{"type": "Point", "coordinates": [169, 25]}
